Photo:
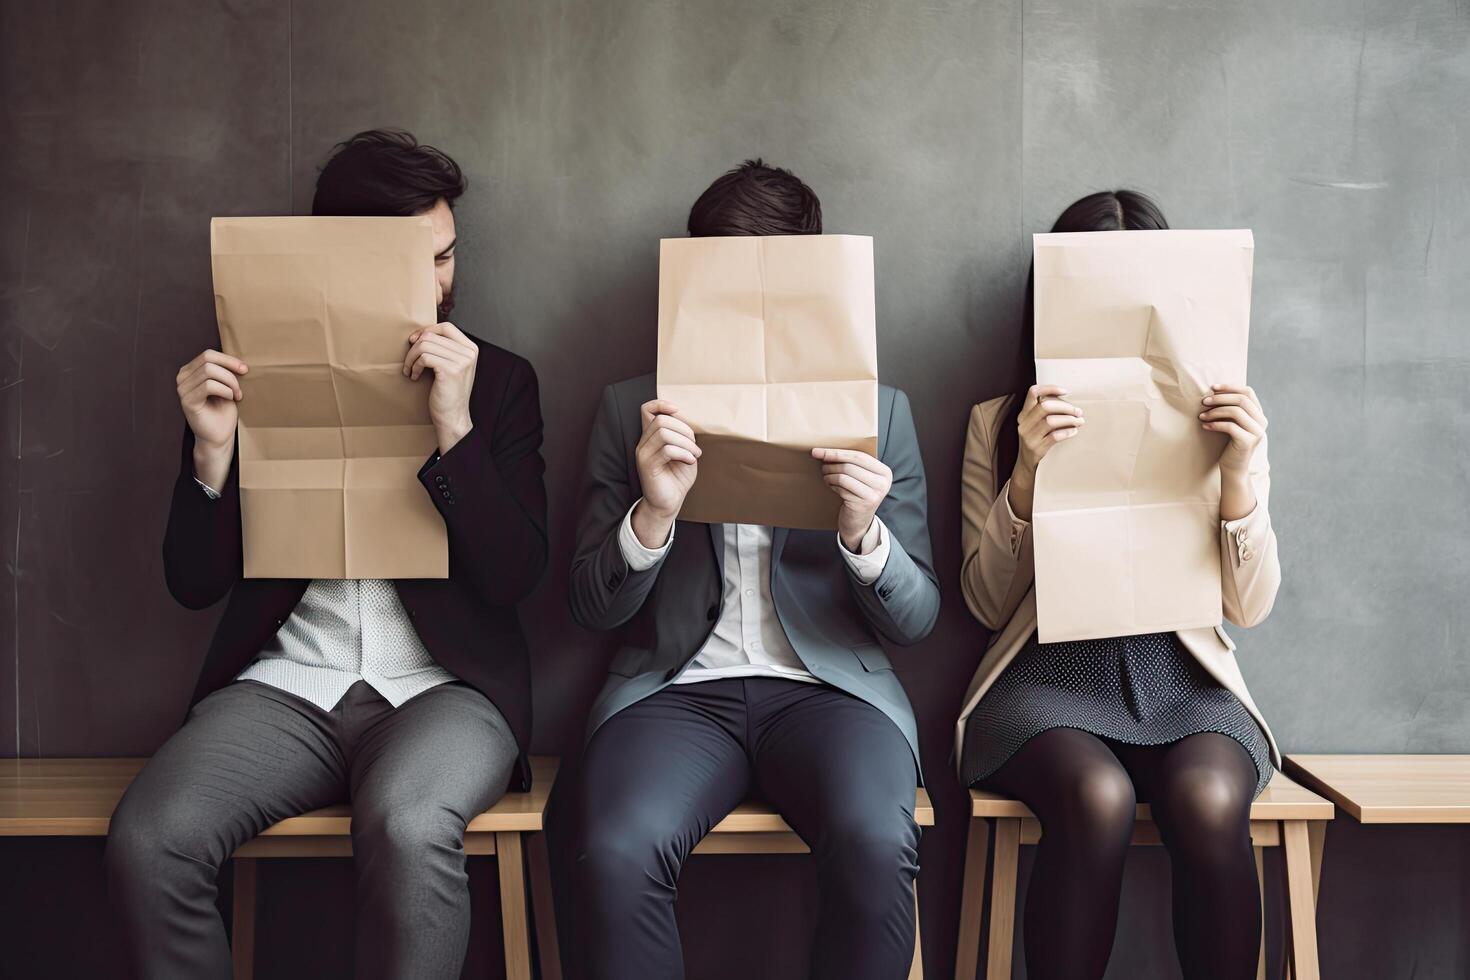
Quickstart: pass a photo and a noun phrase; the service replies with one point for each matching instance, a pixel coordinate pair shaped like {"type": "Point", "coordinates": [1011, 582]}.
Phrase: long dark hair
{"type": "Point", "coordinates": [1103, 211]}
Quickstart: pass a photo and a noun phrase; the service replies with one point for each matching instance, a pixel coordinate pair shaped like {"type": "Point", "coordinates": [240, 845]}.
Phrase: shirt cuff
{"type": "Point", "coordinates": [209, 491]}
{"type": "Point", "coordinates": [867, 566]}
{"type": "Point", "coordinates": [1015, 521]}
{"type": "Point", "coordinates": [638, 557]}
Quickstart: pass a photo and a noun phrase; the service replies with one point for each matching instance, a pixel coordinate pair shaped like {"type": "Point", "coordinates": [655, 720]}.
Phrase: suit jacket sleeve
{"type": "Point", "coordinates": [996, 563]}
{"type": "Point", "coordinates": [490, 490]}
{"type": "Point", "coordinates": [201, 546]}
{"type": "Point", "coordinates": [902, 604]}
{"type": "Point", "coordinates": [1250, 571]}
{"type": "Point", "coordinates": [604, 591]}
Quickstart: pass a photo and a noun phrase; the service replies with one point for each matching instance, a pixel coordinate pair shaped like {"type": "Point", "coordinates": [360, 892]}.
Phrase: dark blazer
{"type": "Point", "coordinates": [832, 620]}
{"type": "Point", "coordinates": [490, 491]}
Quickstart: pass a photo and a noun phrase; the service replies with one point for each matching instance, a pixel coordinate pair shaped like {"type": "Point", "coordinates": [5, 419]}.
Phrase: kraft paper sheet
{"type": "Point", "coordinates": [768, 347]}
{"type": "Point", "coordinates": [331, 434]}
{"type": "Point", "coordinates": [1137, 325]}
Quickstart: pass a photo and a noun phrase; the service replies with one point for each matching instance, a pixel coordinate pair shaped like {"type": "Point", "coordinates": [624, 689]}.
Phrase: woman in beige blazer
{"type": "Point", "coordinates": [1081, 731]}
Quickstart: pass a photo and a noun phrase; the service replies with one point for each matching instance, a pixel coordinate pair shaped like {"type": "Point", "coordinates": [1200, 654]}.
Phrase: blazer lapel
{"type": "Point", "coordinates": [778, 543]}
{"type": "Point", "coordinates": [717, 545]}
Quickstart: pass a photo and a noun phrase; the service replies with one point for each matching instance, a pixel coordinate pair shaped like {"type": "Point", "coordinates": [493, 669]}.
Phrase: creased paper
{"type": "Point", "coordinates": [331, 434]}
{"type": "Point", "coordinates": [768, 347]}
{"type": "Point", "coordinates": [1137, 325]}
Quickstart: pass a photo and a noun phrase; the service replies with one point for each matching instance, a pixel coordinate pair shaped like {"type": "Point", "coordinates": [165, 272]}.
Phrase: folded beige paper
{"type": "Point", "coordinates": [768, 347]}
{"type": "Point", "coordinates": [1137, 325]}
{"type": "Point", "coordinates": [331, 433]}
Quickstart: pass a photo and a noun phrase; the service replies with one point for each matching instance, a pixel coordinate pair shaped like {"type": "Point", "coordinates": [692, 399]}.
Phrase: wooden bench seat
{"type": "Point", "coordinates": [76, 797]}
{"type": "Point", "coordinates": [1402, 789]}
{"type": "Point", "coordinates": [1285, 815]}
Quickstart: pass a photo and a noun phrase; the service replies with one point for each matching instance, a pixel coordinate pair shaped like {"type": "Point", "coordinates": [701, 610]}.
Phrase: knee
{"type": "Point", "coordinates": [870, 860]}
{"type": "Point", "coordinates": [1203, 811]}
{"type": "Point", "coordinates": [409, 834]}
{"type": "Point", "coordinates": [616, 856]}
{"type": "Point", "coordinates": [152, 843]}
{"type": "Point", "coordinates": [1096, 806]}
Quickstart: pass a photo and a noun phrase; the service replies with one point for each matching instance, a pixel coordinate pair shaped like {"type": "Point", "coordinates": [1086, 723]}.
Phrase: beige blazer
{"type": "Point", "coordinates": [997, 575]}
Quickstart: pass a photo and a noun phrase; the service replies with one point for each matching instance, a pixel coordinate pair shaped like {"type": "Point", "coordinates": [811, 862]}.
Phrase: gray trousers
{"type": "Point", "coordinates": [250, 755]}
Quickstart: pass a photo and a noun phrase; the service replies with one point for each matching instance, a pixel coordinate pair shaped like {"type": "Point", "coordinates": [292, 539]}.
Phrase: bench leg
{"type": "Point", "coordinates": [1003, 898]}
{"type": "Point", "coordinates": [1302, 909]}
{"type": "Point", "coordinates": [242, 930]}
{"type": "Point", "coordinates": [1317, 839]}
{"type": "Point", "coordinates": [1261, 883]}
{"type": "Point", "coordinates": [543, 909]}
{"type": "Point", "coordinates": [513, 921]}
{"type": "Point", "coordinates": [972, 900]}
{"type": "Point", "coordinates": [916, 969]}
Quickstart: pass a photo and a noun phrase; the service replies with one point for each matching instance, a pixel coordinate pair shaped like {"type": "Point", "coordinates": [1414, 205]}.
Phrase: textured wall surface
{"type": "Point", "coordinates": [948, 130]}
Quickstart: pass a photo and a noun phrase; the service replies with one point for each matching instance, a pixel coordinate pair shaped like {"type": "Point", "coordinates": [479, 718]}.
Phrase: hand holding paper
{"type": "Point", "coordinates": [861, 482]}
{"type": "Point", "coordinates": [1235, 411]}
{"type": "Point", "coordinates": [209, 389]}
{"type": "Point", "coordinates": [1045, 419]}
{"type": "Point", "coordinates": [444, 349]}
{"type": "Point", "coordinates": [667, 458]}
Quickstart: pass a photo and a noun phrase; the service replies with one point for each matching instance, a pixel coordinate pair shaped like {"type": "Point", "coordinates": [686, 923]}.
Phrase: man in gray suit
{"type": "Point", "coordinates": [750, 665]}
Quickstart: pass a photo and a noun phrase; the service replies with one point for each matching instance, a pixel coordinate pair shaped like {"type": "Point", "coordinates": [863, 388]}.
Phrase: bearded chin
{"type": "Point", "coordinates": [446, 307]}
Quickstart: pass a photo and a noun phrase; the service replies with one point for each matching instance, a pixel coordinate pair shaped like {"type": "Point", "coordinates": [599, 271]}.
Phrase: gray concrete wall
{"type": "Point", "coordinates": [949, 131]}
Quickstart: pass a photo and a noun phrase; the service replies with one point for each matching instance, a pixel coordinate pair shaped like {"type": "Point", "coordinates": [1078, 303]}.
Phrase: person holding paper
{"type": "Point", "coordinates": [1081, 731]}
{"type": "Point", "coordinates": [411, 698]}
{"type": "Point", "coordinates": [750, 665]}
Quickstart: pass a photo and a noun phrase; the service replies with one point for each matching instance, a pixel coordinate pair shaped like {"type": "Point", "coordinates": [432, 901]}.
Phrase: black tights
{"type": "Point", "coordinates": [1082, 789]}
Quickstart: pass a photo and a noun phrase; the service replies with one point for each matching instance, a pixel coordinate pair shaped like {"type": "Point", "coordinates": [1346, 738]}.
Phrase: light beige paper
{"type": "Point", "coordinates": [1137, 325]}
{"type": "Point", "coordinates": [331, 433]}
{"type": "Point", "coordinates": [768, 347]}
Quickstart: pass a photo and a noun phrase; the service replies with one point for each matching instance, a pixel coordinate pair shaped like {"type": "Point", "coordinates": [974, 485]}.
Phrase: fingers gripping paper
{"type": "Point", "coordinates": [1137, 325]}
{"type": "Point", "coordinates": [768, 348]}
{"type": "Point", "coordinates": [331, 434]}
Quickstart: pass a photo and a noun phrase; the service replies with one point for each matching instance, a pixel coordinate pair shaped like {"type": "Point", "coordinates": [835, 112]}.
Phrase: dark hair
{"type": "Point", "coordinates": [1103, 211]}
{"type": "Point", "coordinates": [756, 199]}
{"type": "Point", "coordinates": [385, 172]}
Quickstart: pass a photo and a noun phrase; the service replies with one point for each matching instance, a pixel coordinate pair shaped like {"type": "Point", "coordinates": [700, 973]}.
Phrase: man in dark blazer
{"type": "Point", "coordinates": [750, 665]}
{"type": "Point", "coordinates": [411, 699]}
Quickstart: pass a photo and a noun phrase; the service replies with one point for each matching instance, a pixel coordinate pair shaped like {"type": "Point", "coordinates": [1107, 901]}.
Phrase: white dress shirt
{"type": "Point", "coordinates": [341, 632]}
{"type": "Point", "coordinates": [748, 639]}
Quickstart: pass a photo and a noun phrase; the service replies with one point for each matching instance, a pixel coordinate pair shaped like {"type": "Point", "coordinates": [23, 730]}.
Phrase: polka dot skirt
{"type": "Point", "coordinates": [1139, 690]}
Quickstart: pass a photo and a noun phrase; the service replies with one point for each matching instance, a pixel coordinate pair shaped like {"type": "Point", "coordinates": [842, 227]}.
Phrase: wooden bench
{"type": "Point", "coordinates": [1403, 789]}
{"type": "Point", "coordinates": [1285, 815]}
{"type": "Point", "coordinates": [76, 797]}
{"type": "Point", "coordinates": [753, 828]}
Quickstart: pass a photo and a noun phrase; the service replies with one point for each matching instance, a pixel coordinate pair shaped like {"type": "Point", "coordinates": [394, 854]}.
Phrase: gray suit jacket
{"type": "Point", "coordinates": [832, 620]}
